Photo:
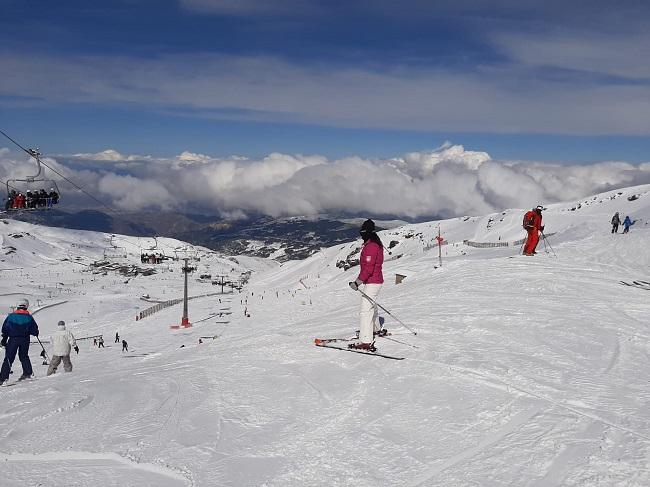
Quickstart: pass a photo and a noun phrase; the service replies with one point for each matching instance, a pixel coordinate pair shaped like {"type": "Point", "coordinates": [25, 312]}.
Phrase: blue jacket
{"type": "Point", "coordinates": [628, 222]}
{"type": "Point", "coordinates": [19, 324]}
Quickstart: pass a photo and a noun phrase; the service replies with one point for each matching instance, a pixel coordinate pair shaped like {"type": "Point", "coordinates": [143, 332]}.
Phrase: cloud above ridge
{"type": "Point", "coordinates": [506, 98]}
{"type": "Point", "coordinates": [448, 181]}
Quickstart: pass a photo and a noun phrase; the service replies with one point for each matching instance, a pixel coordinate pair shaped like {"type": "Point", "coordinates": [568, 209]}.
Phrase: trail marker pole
{"type": "Point", "coordinates": [440, 240]}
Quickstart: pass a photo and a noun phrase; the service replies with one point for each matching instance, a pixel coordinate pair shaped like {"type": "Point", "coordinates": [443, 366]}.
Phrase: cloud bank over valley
{"type": "Point", "coordinates": [448, 181]}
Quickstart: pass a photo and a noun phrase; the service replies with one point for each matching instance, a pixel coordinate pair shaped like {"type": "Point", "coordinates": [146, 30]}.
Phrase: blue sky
{"type": "Point", "coordinates": [520, 80]}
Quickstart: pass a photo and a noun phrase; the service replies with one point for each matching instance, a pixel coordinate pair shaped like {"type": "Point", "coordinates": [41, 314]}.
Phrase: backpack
{"type": "Point", "coordinates": [529, 219]}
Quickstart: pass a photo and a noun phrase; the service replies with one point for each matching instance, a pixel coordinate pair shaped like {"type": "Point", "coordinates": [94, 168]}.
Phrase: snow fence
{"type": "Point", "coordinates": [487, 245]}
{"type": "Point", "coordinates": [166, 304]}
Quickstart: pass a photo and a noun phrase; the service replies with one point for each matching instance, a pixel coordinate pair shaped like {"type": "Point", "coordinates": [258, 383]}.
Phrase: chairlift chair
{"type": "Point", "coordinates": [18, 186]}
{"type": "Point", "coordinates": [154, 258]}
{"type": "Point", "coordinates": [186, 253]}
{"type": "Point", "coordinates": [114, 252]}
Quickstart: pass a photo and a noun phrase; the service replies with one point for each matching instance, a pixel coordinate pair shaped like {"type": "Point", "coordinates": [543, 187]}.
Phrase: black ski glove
{"type": "Point", "coordinates": [3, 342]}
{"type": "Point", "coordinates": [76, 349]}
{"type": "Point", "coordinates": [542, 228]}
{"type": "Point", "coordinates": [355, 284]}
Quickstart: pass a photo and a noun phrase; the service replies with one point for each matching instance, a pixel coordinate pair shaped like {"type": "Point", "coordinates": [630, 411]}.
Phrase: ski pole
{"type": "Point", "coordinates": [521, 249]}
{"type": "Point", "coordinates": [8, 364]}
{"type": "Point", "coordinates": [380, 306]}
{"type": "Point", "coordinates": [5, 360]}
{"type": "Point", "coordinates": [400, 341]}
{"type": "Point", "coordinates": [549, 244]}
{"type": "Point", "coordinates": [44, 355]}
{"type": "Point", "coordinates": [545, 246]}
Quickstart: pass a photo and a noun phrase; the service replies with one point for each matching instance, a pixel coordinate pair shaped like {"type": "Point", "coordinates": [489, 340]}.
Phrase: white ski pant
{"type": "Point", "coordinates": [56, 360]}
{"type": "Point", "coordinates": [368, 314]}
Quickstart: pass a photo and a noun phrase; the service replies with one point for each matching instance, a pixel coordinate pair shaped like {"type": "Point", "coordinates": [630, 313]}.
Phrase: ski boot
{"type": "Point", "coordinates": [381, 333]}
{"type": "Point", "coordinates": [25, 377]}
{"type": "Point", "coordinates": [369, 347]}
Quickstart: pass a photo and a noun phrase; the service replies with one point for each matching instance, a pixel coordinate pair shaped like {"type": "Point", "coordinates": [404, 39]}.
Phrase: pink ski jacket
{"type": "Point", "coordinates": [371, 260]}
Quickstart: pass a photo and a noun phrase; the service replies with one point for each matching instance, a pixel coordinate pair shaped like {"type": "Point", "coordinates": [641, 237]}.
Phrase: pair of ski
{"type": "Point", "coordinates": [640, 284]}
{"type": "Point", "coordinates": [15, 383]}
{"type": "Point", "coordinates": [328, 343]}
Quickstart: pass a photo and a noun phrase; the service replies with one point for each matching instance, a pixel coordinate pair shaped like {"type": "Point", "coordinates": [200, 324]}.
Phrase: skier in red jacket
{"type": "Point", "coordinates": [19, 201]}
{"type": "Point", "coordinates": [369, 282]}
{"type": "Point", "coordinates": [533, 225]}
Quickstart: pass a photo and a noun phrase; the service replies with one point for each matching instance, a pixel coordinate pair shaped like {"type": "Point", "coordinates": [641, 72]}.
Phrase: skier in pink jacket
{"type": "Point", "coordinates": [369, 283]}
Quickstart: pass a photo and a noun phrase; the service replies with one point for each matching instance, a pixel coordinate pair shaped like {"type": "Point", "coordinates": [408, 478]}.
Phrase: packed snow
{"type": "Point", "coordinates": [524, 370]}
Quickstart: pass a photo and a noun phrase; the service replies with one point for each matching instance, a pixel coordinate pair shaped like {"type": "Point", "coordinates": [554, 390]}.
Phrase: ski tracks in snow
{"type": "Point", "coordinates": [504, 385]}
{"type": "Point", "coordinates": [512, 425]}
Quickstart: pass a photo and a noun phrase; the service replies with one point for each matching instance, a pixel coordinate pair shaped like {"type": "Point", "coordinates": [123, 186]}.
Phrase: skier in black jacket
{"type": "Point", "coordinates": [616, 221]}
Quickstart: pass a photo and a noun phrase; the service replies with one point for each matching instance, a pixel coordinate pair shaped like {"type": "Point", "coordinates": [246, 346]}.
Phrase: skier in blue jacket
{"type": "Point", "coordinates": [627, 223]}
{"type": "Point", "coordinates": [16, 329]}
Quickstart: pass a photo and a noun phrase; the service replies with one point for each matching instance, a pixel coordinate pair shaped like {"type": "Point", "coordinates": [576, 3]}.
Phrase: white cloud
{"type": "Point", "coordinates": [448, 181]}
{"type": "Point", "coordinates": [188, 156]}
{"type": "Point", "coordinates": [130, 193]}
{"type": "Point", "coordinates": [107, 155]}
{"type": "Point", "coordinates": [592, 52]}
{"type": "Point", "coordinates": [507, 99]}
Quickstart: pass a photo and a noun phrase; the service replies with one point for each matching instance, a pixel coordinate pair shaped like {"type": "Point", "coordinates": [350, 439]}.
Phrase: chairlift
{"type": "Point", "coordinates": [186, 253]}
{"type": "Point", "coordinates": [155, 243]}
{"type": "Point", "coordinates": [114, 252]}
{"type": "Point", "coordinates": [31, 193]}
{"type": "Point", "coordinates": [154, 257]}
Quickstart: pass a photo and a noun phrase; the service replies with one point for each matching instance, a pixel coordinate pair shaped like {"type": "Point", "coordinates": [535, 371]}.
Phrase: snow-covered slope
{"type": "Point", "coordinates": [524, 371]}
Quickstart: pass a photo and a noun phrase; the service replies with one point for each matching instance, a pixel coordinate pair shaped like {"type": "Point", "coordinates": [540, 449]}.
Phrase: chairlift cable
{"type": "Point", "coordinates": [28, 152]}
{"type": "Point", "coordinates": [106, 205]}
{"type": "Point", "coordinates": [31, 153]}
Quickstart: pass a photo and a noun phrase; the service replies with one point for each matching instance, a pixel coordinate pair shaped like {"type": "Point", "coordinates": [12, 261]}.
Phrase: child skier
{"type": "Point", "coordinates": [62, 343]}
{"type": "Point", "coordinates": [627, 223]}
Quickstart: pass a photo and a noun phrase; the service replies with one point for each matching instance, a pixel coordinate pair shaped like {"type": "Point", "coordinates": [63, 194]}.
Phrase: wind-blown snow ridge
{"type": "Point", "coordinates": [527, 371]}
{"type": "Point", "coordinates": [98, 461]}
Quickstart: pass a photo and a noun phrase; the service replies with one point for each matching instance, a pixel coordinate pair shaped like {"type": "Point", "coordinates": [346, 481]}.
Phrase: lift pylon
{"type": "Point", "coordinates": [185, 321]}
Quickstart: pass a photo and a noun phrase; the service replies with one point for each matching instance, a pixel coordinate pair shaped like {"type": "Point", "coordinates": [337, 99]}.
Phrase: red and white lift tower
{"type": "Point", "coordinates": [185, 321]}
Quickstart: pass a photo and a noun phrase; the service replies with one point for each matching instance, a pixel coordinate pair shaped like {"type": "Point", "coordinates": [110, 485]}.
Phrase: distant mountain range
{"type": "Point", "coordinates": [282, 239]}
